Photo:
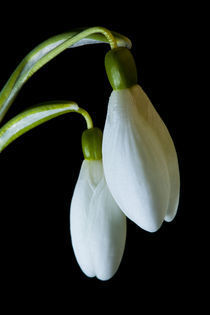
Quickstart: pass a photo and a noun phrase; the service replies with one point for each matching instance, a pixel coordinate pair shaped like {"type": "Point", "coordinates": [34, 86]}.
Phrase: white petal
{"type": "Point", "coordinates": [134, 163]}
{"type": "Point", "coordinates": [90, 175]}
{"type": "Point", "coordinates": [106, 232]}
{"type": "Point", "coordinates": [150, 114]}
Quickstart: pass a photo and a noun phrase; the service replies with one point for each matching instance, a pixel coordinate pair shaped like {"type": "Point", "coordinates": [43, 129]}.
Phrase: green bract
{"type": "Point", "coordinates": [120, 68]}
{"type": "Point", "coordinates": [92, 144]}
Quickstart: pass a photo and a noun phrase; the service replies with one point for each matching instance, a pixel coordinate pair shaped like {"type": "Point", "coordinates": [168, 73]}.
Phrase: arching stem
{"type": "Point", "coordinates": [45, 52]}
{"type": "Point", "coordinates": [37, 115]}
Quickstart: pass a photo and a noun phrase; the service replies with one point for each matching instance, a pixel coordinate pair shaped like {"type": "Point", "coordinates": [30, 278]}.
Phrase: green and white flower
{"type": "Point", "coordinates": [97, 225]}
{"type": "Point", "coordinates": [140, 160]}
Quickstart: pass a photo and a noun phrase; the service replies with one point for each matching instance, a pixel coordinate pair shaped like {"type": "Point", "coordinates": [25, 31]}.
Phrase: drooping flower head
{"type": "Point", "coordinates": [140, 160]}
{"type": "Point", "coordinates": [97, 225]}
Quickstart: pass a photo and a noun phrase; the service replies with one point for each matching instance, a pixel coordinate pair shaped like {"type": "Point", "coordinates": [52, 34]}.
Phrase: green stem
{"type": "Point", "coordinates": [69, 42]}
{"type": "Point", "coordinates": [87, 117]}
{"type": "Point", "coordinates": [37, 115]}
{"type": "Point", "coordinates": [49, 49]}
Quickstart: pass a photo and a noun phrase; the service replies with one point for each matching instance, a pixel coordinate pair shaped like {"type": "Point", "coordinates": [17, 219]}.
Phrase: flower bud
{"type": "Point", "coordinates": [92, 144]}
{"type": "Point", "coordinates": [120, 68]}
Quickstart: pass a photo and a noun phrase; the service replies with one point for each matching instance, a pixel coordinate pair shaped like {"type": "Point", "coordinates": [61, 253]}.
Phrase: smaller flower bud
{"type": "Point", "coordinates": [120, 68]}
{"type": "Point", "coordinates": [92, 144]}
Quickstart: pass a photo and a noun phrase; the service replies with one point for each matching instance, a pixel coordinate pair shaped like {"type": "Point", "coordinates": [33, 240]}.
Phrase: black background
{"type": "Point", "coordinates": [39, 170]}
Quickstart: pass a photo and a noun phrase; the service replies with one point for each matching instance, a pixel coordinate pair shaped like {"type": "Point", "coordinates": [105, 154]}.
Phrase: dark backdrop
{"type": "Point", "coordinates": [39, 170]}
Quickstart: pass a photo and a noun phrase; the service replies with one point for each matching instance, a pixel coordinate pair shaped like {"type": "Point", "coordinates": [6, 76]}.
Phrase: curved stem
{"type": "Point", "coordinates": [87, 117]}
{"type": "Point", "coordinates": [45, 52]}
{"type": "Point", "coordinates": [108, 35]}
{"type": "Point", "coordinates": [69, 42]}
{"type": "Point", "coordinates": [37, 115]}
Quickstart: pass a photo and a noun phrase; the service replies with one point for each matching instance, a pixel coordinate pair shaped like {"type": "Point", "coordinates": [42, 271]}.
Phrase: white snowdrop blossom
{"type": "Point", "coordinates": [97, 225]}
{"type": "Point", "coordinates": [140, 161]}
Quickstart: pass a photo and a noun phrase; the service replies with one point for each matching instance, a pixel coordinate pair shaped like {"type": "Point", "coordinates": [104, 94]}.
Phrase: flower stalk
{"type": "Point", "coordinates": [48, 50]}
{"type": "Point", "coordinates": [36, 116]}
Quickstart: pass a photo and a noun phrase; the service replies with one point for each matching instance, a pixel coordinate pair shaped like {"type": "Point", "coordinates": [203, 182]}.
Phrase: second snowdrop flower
{"type": "Point", "coordinates": [140, 160]}
{"type": "Point", "coordinates": [97, 225]}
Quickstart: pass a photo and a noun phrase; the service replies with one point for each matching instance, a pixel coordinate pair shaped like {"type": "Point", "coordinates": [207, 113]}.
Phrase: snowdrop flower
{"type": "Point", "coordinates": [139, 157]}
{"type": "Point", "coordinates": [97, 225]}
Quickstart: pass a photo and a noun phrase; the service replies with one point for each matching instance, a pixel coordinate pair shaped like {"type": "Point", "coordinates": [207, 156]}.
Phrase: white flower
{"type": "Point", "coordinates": [140, 161]}
{"type": "Point", "coordinates": [98, 226]}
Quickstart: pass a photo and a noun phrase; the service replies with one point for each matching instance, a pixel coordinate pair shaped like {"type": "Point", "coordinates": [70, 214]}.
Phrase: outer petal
{"type": "Point", "coordinates": [106, 232]}
{"type": "Point", "coordinates": [148, 111]}
{"type": "Point", "coordinates": [90, 175]}
{"type": "Point", "coordinates": [134, 163]}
